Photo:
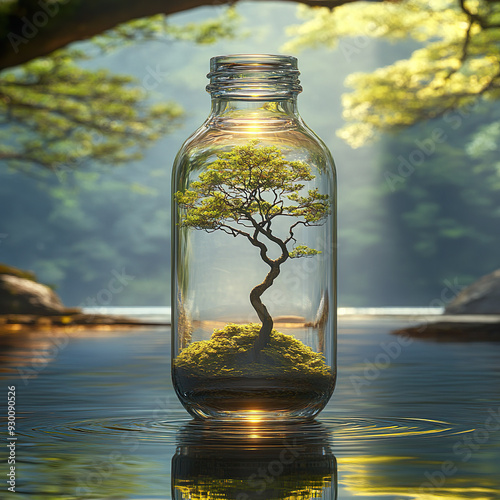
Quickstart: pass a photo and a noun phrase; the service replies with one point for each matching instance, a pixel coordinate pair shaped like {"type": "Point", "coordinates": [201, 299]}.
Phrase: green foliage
{"type": "Point", "coordinates": [60, 115]}
{"type": "Point", "coordinates": [458, 66]}
{"type": "Point", "coordinates": [303, 251]}
{"type": "Point", "coordinates": [247, 187]}
{"type": "Point", "coordinates": [159, 28]}
{"type": "Point", "coordinates": [242, 193]}
{"type": "Point", "coordinates": [437, 228]}
{"type": "Point", "coordinates": [222, 355]}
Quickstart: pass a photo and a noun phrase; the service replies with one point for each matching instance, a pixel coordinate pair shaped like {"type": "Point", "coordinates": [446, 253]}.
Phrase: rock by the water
{"type": "Point", "coordinates": [454, 331]}
{"type": "Point", "coordinates": [24, 296]}
{"type": "Point", "coordinates": [482, 297]}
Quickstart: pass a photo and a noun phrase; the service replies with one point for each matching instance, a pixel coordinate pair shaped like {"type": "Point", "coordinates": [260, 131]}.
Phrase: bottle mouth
{"type": "Point", "coordinates": [254, 77]}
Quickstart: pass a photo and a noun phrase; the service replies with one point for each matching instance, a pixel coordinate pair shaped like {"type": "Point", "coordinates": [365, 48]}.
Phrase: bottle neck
{"type": "Point", "coordinates": [254, 115]}
{"type": "Point", "coordinates": [253, 91]}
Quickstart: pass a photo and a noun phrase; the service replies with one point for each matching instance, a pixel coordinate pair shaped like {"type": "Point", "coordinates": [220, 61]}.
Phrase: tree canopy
{"type": "Point", "coordinates": [54, 24]}
{"type": "Point", "coordinates": [457, 64]}
{"type": "Point", "coordinates": [59, 115]}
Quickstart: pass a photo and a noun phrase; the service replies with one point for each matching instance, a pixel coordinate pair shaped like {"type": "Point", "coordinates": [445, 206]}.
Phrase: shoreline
{"type": "Point", "coordinates": [425, 326]}
{"type": "Point", "coordinates": [71, 320]}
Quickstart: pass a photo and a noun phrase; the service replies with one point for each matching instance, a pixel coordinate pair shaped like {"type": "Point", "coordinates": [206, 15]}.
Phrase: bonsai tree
{"type": "Point", "coordinates": [243, 193]}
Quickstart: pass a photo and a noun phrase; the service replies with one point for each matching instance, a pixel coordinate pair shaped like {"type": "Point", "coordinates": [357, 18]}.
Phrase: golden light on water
{"type": "Point", "coordinates": [254, 416]}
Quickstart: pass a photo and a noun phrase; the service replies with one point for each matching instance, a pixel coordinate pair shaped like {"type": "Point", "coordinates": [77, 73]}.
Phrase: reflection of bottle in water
{"type": "Point", "coordinates": [253, 461]}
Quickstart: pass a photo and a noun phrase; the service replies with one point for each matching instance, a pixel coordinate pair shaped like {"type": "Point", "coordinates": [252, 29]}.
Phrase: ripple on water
{"type": "Point", "coordinates": [341, 432]}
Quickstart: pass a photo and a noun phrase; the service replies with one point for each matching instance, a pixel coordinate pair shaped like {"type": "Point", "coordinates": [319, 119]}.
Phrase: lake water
{"type": "Point", "coordinates": [96, 417]}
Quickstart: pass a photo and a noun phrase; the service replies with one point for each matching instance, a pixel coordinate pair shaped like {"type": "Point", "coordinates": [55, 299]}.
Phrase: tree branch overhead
{"type": "Point", "coordinates": [35, 28]}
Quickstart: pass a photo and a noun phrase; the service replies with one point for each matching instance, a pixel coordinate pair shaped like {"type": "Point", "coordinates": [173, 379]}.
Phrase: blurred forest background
{"type": "Point", "coordinates": [89, 134]}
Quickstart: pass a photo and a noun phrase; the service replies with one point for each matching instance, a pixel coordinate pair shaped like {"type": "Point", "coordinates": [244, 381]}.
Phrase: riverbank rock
{"type": "Point", "coordinates": [25, 296]}
{"type": "Point", "coordinates": [70, 320]}
{"type": "Point", "coordinates": [26, 305]}
{"type": "Point", "coordinates": [454, 331]}
{"type": "Point", "coordinates": [482, 297]}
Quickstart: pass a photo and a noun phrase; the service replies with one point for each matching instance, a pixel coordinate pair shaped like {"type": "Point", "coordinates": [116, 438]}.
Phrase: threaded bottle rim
{"type": "Point", "coordinates": [255, 77]}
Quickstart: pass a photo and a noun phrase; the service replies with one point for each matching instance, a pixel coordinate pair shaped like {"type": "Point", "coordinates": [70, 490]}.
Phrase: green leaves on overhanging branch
{"type": "Point", "coordinates": [60, 115]}
{"type": "Point", "coordinates": [160, 28]}
{"type": "Point", "coordinates": [458, 65]}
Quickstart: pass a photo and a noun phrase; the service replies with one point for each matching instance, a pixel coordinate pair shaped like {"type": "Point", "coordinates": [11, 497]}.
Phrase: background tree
{"type": "Point", "coordinates": [57, 23]}
{"type": "Point", "coordinates": [58, 115]}
{"type": "Point", "coordinates": [437, 93]}
{"type": "Point", "coordinates": [458, 65]}
{"type": "Point", "coordinates": [438, 223]}
{"type": "Point", "coordinates": [242, 193]}
{"type": "Point", "coordinates": [61, 115]}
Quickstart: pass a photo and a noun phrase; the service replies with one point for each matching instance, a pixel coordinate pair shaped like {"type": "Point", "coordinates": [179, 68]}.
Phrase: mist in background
{"type": "Point", "coordinates": [418, 213]}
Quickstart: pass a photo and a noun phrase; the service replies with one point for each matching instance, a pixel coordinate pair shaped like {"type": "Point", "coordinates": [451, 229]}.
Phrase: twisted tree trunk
{"type": "Point", "coordinates": [264, 316]}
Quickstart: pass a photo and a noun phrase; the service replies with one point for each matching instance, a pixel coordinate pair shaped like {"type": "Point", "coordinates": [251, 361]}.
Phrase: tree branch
{"type": "Point", "coordinates": [263, 249]}
{"type": "Point", "coordinates": [465, 46]}
{"type": "Point", "coordinates": [82, 19]}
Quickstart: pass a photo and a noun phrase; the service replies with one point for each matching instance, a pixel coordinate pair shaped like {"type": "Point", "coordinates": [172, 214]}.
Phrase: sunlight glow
{"type": "Point", "coordinates": [253, 127]}
{"type": "Point", "coordinates": [254, 416]}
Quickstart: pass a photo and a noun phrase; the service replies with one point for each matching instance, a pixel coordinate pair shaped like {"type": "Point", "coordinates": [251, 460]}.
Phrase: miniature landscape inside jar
{"type": "Point", "coordinates": [257, 196]}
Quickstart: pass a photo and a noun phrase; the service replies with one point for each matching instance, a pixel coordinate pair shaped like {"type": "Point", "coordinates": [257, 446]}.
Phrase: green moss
{"type": "Point", "coordinates": [227, 354]}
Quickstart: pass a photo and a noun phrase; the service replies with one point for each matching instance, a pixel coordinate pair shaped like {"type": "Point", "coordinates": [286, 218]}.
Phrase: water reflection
{"type": "Point", "coordinates": [253, 461]}
{"type": "Point", "coordinates": [97, 418]}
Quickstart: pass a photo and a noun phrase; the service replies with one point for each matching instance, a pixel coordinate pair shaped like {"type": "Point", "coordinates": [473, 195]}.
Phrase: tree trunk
{"type": "Point", "coordinates": [264, 316]}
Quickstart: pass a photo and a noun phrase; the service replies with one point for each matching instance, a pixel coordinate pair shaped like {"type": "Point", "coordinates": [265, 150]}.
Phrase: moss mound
{"type": "Point", "coordinates": [226, 354]}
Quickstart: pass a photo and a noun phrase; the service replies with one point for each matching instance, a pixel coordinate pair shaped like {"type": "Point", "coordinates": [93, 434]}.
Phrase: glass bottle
{"type": "Point", "coordinates": [254, 251]}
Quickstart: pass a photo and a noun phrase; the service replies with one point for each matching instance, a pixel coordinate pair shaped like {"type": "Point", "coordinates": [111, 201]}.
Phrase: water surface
{"type": "Point", "coordinates": [97, 418]}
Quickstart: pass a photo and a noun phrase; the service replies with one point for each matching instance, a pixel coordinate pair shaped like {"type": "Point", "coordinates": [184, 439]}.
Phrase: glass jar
{"type": "Point", "coordinates": [254, 251]}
